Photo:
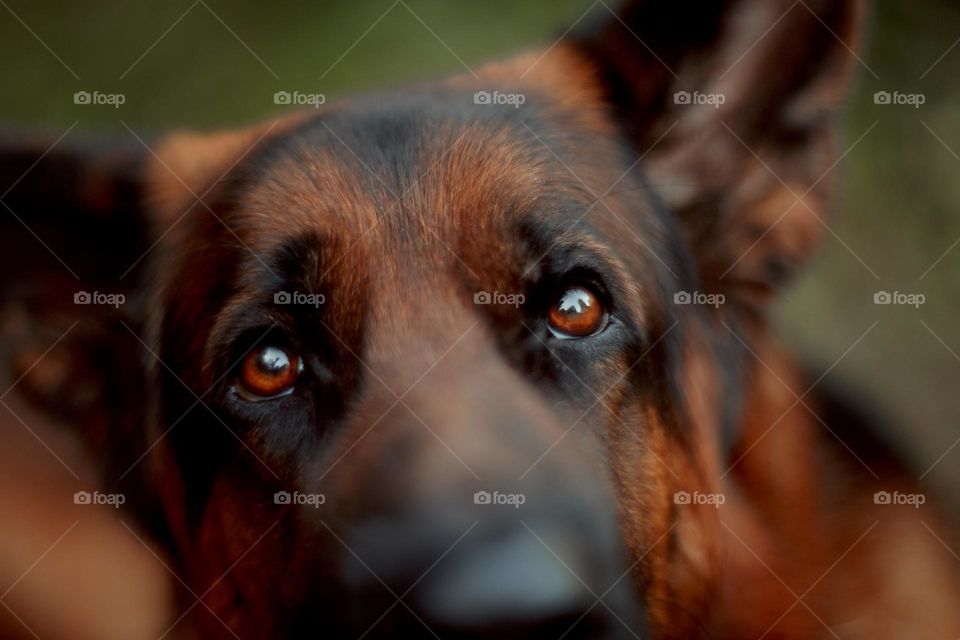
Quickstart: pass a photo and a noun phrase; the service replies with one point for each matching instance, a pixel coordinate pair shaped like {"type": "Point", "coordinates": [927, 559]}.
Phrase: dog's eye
{"type": "Point", "coordinates": [268, 372]}
{"type": "Point", "coordinates": [576, 313]}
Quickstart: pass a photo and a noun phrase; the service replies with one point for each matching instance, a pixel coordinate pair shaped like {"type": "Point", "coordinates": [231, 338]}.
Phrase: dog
{"type": "Point", "coordinates": [486, 357]}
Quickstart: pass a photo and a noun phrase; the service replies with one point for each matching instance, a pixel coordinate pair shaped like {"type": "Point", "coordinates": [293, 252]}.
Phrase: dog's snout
{"type": "Point", "coordinates": [453, 525]}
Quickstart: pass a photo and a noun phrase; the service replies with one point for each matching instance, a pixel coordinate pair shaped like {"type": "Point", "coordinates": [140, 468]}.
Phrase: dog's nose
{"type": "Point", "coordinates": [511, 586]}
{"type": "Point", "coordinates": [521, 580]}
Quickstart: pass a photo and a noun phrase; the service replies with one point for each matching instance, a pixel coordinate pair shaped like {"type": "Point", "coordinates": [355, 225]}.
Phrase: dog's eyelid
{"type": "Point", "coordinates": [242, 324]}
{"type": "Point", "coordinates": [246, 396]}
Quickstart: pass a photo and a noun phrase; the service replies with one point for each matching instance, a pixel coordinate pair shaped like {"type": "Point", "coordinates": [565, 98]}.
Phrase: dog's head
{"type": "Point", "coordinates": [443, 358]}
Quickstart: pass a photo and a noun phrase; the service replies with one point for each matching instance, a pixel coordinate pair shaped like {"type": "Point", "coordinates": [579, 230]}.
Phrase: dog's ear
{"type": "Point", "coordinates": [736, 101]}
{"type": "Point", "coordinates": [84, 228]}
{"type": "Point", "coordinates": [73, 231]}
{"type": "Point", "coordinates": [82, 221]}
{"type": "Point", "coordinates": [76, 199]}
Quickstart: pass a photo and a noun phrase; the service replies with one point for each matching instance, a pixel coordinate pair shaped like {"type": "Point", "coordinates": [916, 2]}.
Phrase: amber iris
{"type": "Point", "coordinates": [576, 313]}
{"type": "Point", "coordinates": [269, 371]}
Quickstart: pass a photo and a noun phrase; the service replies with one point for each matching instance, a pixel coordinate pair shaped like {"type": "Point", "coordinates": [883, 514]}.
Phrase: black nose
{"type": "Point", "coordinates": [513, 586]}
{"type": "Point", "coordinates": [523, 581]}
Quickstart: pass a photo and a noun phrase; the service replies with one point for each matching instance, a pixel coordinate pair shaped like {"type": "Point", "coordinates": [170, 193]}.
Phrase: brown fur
{"type": "Point", "coordinates": [399, 218]}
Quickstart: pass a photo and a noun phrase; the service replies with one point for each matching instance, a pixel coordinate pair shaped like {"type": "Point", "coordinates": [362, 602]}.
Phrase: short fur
{"type": "Point", "coordinates": [398, 207]}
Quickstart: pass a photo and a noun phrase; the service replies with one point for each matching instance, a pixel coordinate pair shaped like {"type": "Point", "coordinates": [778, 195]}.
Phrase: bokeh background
{"type": "Point", "coordinates": [203, 64]}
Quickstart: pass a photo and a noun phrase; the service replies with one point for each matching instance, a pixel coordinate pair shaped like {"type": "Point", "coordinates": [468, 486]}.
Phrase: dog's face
{"type": "Point", "coordinates": [397, 308]}
{"type": "Point", "coordinates": [425, 361]}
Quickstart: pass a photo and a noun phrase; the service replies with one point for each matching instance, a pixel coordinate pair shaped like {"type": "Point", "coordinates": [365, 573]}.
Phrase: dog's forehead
{"type": "Point", "coordinates": [440, 164]}
{"type": "Point", "coordinates": [412, 194]}
{"type": "Point", "coordinates": [433, 188]}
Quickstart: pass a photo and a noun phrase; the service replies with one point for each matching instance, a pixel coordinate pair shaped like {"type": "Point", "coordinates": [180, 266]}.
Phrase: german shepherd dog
{"type": "Point", "coordinates": [486, 357]}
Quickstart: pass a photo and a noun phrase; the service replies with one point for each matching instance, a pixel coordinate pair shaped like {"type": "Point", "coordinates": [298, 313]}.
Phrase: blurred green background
{"type": "Point", "coordinates": [215, 63]}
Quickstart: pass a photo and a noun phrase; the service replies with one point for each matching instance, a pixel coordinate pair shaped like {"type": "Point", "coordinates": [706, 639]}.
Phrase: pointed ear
{"type": "Point", "coordinates": [72, 231]}
{"type": "Point", "coordinates": [81, 224]}
{"type": "Point", "coordinates": [66, 200]}
{"type": "Point", "coordinates": [738, 99]}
